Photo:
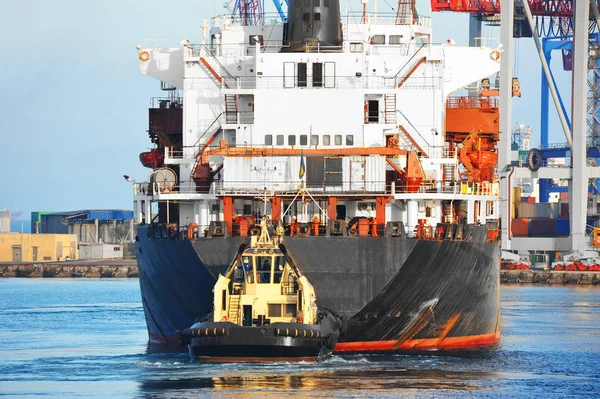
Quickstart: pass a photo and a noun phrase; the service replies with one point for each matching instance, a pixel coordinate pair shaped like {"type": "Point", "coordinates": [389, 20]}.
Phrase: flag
{"type": "Point", "coordinates": [302, 167]}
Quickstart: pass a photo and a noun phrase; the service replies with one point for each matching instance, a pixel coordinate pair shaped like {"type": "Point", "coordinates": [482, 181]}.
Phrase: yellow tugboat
{"type": "Point", "coordinates": [264, 310]}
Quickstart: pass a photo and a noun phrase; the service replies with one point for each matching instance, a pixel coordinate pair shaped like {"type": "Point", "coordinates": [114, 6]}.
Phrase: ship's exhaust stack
{"type": "Point", "coordinates": [313, 26]}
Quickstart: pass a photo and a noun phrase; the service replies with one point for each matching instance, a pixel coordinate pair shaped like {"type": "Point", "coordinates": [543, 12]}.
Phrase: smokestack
{"type": "Point", "coordinates": [312, 24]}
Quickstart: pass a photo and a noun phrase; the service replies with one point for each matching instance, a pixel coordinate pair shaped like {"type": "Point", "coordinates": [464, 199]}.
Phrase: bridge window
{"type": "Point", "coordinates": [291, 139]}
{"type": "Point", "coordinates": [395, 39]}
{"type": "Point", "coordinates": [378, 39]}
{"type": "Point", "coordinates": [314, 140]}
{"type": "Point", "coordinates": [349, 139]}
{"type": "Point", "coordinates": [303, 139]}
{"type": "Point", "coordinates": [337, 139]}
{"type": "Point", "coordinates": [280, 139]}
{"type": "Point", "coordinates": [326, 139]}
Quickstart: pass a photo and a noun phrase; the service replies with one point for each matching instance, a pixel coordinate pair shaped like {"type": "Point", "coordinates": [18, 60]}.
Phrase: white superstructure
{"type": "Point", "coordinates": [352, 115]}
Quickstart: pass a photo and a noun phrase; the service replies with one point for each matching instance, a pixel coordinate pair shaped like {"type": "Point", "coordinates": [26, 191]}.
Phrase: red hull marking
{"type": "Point", "coordinates": [472, 341]}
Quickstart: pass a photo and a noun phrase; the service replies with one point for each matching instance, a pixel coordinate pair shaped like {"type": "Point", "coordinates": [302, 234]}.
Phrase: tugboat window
{"type": "Point", "coordinates": [291, 140]}
{"type": "Point", "coordinates": [290, 310]}
{"type": "Point", "coordinates": [338, 139]}
{"type": "Point", "coordinates": [249, 269]}
{"type": "Point", "coordinates": [264, 269]}
{"type": "Point", "coordinates": [280, 139]}
{"type": "Point", "coordinates": [349, 139]}
{"type": "Point", "coordinates": [314, 140]}
{"type": "Point", "coordinates": [274, 310]}
{"type": "Point", "coordinates": [303, 139]}
{"type": "Point", "coordinates": [326, 139]}
{"type": "Point", "coordinates": [269, 139]}
{"type": "Point", "coordinates": [278, 269]}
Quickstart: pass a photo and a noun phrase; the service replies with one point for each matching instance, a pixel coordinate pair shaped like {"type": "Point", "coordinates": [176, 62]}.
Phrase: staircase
{"type": "Point", "coordinates": [390, 109]}
{"type": "Point", "coordinates": [231, 109]}
{"type": "Point", "coordinates": [234, 307]}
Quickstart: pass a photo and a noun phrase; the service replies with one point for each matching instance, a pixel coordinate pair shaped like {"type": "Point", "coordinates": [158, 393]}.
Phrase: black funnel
{"type": "Point", "coordinates": [313, 25]}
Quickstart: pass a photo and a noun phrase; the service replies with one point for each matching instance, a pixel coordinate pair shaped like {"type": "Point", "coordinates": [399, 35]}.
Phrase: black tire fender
{"type": "Point", "coordinates": [534, 159]}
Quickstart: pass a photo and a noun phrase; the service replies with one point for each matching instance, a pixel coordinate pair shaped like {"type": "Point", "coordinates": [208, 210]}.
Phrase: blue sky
{"type": "Point", "coordinates": [74, 106]}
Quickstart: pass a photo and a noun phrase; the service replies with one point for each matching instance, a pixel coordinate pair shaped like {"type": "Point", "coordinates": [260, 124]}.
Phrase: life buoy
{"type": "Point", "coordinates": [144, 56]}
{"type": "Point", "coordinates": [534, 159]}
{"type": "Point", "coordinates": [495, 55]}
{"type": "Point", "coordinates": [299, 320]}
{"type": "Point", "coordinates": [224, 318]}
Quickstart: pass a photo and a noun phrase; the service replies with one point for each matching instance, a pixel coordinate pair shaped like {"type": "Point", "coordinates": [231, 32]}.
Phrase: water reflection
{"type": "Point", "coordinates": [360, 378]}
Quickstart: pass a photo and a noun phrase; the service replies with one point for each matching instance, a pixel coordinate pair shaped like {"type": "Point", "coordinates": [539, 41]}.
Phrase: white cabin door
{"type": "Point", "coordinates": [357, 174]}
{"type": "Point", "coordinates": [329, 74]}
{"type": "Point", "coordinates": [289, 75]}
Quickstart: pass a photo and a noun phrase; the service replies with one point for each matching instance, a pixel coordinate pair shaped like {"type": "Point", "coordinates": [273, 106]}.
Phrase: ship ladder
{"type": "Point", "coordinates": [390, 109]}
{"type": "Point", "coordinates": [231, 109]}
{"type": "Point", "coordinates": [234, 308]}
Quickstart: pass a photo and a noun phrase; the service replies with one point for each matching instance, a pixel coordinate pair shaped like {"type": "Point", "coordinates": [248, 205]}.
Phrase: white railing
{"type": "Point", "coordinates": [355, 188]}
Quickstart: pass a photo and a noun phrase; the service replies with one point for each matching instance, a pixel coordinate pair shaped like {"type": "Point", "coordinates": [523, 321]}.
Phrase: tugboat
{"type": "Point", "coordinates": [264, 310]}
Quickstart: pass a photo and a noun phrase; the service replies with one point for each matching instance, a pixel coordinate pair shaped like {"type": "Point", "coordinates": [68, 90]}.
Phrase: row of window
{"type": "Point", "coordinates": [380, 39]}
{"type": "Point", "coordinates": [315, 3]}
{"type": "Point", "coordinates": [314, 139]}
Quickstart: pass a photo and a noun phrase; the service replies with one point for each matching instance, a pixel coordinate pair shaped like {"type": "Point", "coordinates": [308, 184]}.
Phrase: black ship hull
{"type": "Point", "coordinates": [393, 293]}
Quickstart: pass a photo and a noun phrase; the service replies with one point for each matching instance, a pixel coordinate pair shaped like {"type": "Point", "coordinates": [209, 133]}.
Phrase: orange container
{"type": "Point", "coordinates": [520, 227]}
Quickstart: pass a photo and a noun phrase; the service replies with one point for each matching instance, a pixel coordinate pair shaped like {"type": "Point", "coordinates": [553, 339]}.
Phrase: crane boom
{"type": "Point", "coordinates": [550, 8]}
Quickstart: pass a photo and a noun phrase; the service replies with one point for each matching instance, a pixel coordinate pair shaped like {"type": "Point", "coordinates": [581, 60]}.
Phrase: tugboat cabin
{"type": "Point", "coordinates": [262, 286]}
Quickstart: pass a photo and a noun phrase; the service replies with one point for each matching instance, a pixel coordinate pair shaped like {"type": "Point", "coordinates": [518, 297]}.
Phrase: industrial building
{"type": "Point", "coordinates": [100, 233]}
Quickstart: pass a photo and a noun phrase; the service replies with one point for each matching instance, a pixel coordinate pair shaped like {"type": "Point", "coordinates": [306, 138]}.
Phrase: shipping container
{"type": "Point", "coordinates": [542, 228]}
{"type": "Point", "coordinates": [520, 227]}
{"type": "Point", "coordinates": [543, 210]}
{"type": "Point", "coordinates": [563, 227]}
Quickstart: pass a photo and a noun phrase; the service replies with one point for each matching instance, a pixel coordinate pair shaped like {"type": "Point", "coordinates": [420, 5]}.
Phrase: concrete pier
{"type": "Point", "coordinates": [124, 268]}
{"type": "Point", "coordinates": [548, 277]}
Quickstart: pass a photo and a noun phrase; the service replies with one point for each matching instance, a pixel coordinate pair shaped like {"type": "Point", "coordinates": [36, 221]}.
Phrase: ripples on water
{"type": "Point", "coordinates": [87, 338]}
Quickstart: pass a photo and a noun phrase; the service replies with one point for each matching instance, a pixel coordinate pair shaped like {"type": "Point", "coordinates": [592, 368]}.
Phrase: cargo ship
{"type": "Point", "coordinates": [349, 130]}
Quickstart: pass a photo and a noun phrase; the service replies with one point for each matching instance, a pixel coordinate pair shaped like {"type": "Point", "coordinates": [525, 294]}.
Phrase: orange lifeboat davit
{"type": "Point", "coordinates": [414, 173]}
{"type": "Point", "coordinates": [152, 159]}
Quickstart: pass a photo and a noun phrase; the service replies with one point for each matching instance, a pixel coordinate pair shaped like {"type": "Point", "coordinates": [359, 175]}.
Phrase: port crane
{"type": "Point", "coordinates": [518, 21]}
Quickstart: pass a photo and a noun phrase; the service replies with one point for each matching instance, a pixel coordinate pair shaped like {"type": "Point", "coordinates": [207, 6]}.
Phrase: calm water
{"type": "Point", "coordinates": [87, 338]}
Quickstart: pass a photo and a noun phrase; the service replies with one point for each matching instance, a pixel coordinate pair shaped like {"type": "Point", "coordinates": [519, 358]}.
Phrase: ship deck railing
{"type": "Point", "coordinates": [345, 189]}
{"type": "Point", "coordinates": [376, 82]}
{"type": "Point", "coordinates": [351, 17]}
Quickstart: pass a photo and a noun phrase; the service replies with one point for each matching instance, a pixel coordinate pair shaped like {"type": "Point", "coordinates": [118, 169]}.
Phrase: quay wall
{"type": "Point", "coordinates": [124, 268]}
{"type": "Point", "coordinates": [549, 277]}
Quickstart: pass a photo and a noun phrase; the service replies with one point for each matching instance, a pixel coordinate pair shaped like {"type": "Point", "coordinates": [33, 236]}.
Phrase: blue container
{"type": "Point", "coordinates": [542, 227]}
{"type": "Point", "coordinates": [562, 227]}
